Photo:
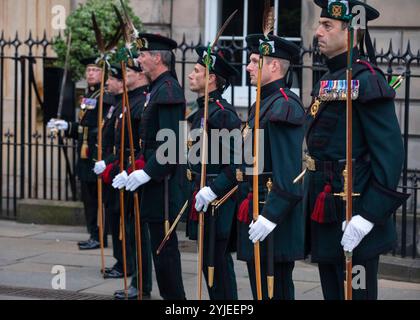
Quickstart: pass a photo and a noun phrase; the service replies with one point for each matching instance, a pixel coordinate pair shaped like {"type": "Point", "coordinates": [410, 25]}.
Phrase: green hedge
{"type": "Point", "coordinates": [83, 37]}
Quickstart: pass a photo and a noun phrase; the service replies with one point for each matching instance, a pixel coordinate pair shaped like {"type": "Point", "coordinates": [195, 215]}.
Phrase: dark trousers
{"type": "Point", "coordinates": [90, 203]}
{"type": "Point", "coordinates": [167, 264]}
{"type": "Point", "coordinates": [284, 288]}
{"type": "Point", "coordinates": [131, 247]}
{"type": "Point", "coordinates": [224, 283]}
{"type": "Point", "coordinates": [113, 205]}
{"type": "Point", "coordinates": [333, 275]}
{"type": "Point", "coordinates": [146, 256]}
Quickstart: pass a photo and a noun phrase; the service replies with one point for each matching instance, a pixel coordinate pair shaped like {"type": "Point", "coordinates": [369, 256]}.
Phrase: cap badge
{"type": "Point", "coordinates": [266, 47]}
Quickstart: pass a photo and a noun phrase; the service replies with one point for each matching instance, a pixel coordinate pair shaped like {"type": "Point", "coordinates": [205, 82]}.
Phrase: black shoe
{"type": "Point", "coordinates": [108, 270]}
{"type": "Point", "coordinates": [84, 242]}
{"type": "Point", "coordinates": [114, 274]}
{"type": "Point", "coordinates": [91, 244]}
{"type": "Point", "coordinates": [131, 294]}
{"type": "Point", "coordinates": [119, 292]}
{"type": "Point", "coordinates": [94, 238]}
{"type": "Point", "coordinates": [115, 266]}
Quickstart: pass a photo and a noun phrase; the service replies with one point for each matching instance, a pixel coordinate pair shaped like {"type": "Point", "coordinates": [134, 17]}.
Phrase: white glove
{"type": "Point", "coordinates": [100, 167]}
{"type": "Point", "coordinates": [120, 180]}
{"type": "Point", "coordinates": [354, 232]}
{"type": "Point", "coordinates": [259, 230]}
{"type": "Point", "coordinates": [51, 124]}
{"type": "Point", "coordinates": [136, 179]}
{"type": "Point", "coordinates": [203, 198]}
{"type": "Point", "coordinates": [58, 123]}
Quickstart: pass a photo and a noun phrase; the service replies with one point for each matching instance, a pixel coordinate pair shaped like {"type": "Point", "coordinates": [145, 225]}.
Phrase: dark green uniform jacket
{"type": "Point", "coordinates": [281, 118]}
{"type": "Point", "coordinates": [86, 131]}
{"type": "Point", "coordinates": [164, 109]}
{"type": "Point", "coordinates": [108, 130]}
{"type": "Point", "coordinates": [221, 173]}
{"type": "Point", "coordinates": [137, 98]}
{"type": "Point", "coordinates": [378, 157]}
{"type": "Point", "coordinates": [108, 141]}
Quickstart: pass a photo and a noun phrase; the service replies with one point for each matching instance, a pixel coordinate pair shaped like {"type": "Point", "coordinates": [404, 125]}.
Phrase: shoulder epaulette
{"type": "Point", "coordinates": [374, 86]}
{"type": "Point", "coordinates": [169, 92]}
{"type": "Point", "coordinates": [224, 117]}
{"type": "Point", "coordinates": [288, 110]}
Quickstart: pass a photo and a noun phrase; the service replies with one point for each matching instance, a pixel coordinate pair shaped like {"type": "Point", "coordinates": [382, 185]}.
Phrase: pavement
{"type": "Point", "coordinates": [28, 254]}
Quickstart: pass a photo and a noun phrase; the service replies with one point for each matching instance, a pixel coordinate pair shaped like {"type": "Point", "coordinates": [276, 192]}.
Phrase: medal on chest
{"type": "Point", "coordinates": [121, 115]}
{"type": "Point", "coordinates": [336, 90]}
{"type": "Point", "coordinates": [315, 107]}
{"type": "Point", "coordinates": [88, 104]}
{"type": "Point", "coordinates": [110, 112]}
{"type": "Point", "coordinates": [201, 125]}
{"type": "Point", "coordinates": [147, 100]}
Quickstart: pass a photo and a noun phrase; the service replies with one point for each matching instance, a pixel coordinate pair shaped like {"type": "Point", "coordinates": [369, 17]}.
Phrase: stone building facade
{"type": "Point", "coordinates": [190, 19]}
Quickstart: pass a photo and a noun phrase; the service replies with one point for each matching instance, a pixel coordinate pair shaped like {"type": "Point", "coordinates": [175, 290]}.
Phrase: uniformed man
{"type": "Point", "coordinates": [377, 157]}
{"type": "Point", "coordinates": [280, 222]}
{"type": "Point", "coordinates": [220, 174]}
{"type": "Point", "coordinates": [137, 86]}
{"type": "Point", "coordinates": [108, 167]}
{"type": "Point", "coordinates": [164, 109]}
{"type": "Point", "coordinates": [85, 131]}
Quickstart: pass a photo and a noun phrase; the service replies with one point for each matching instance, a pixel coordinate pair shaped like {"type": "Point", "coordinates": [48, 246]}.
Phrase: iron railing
{"type": "Point", "coordinates": [36, 164]}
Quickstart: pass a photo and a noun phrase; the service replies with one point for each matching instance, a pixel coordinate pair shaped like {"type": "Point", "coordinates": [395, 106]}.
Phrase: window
{"type": "Point", "coordinates": [248, 20]}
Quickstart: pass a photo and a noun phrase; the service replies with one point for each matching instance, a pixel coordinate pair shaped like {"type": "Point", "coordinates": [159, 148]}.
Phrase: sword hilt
{"type": "Point", "coordinates": [343, 194]}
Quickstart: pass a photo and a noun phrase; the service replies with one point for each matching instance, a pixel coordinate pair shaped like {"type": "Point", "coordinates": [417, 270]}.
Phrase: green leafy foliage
{"type": "Point", "coordinates": [83, 44]}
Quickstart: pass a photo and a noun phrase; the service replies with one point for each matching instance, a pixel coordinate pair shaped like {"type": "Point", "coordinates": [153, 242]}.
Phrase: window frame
{"type": "Point", "coordinates": [212, 25]}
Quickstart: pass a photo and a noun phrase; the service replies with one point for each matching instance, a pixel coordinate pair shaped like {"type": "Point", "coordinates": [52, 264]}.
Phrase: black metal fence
{"type": "Point", "coordinates": [36, 164]}
{"type": "Point", "coordinates": [30, 161]}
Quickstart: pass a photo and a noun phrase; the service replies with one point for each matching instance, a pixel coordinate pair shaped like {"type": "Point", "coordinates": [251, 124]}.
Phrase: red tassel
{"type": "Point", "coordinates": [139, 164]}
{"type": "Point", "coordinates": [318, 214]}
{"type": "Point", "coordinates": [193, 212]}
{"type": "Point", "coordinates": [106, 175]}
{"type": "Point", "coordinates": [220, 105]}
{"type": "Point", "coordinates": [244, 209]}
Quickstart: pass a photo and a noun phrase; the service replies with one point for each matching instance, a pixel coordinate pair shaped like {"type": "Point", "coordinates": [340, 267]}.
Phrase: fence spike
{"type": "Point", "coordinates": [390, 50]}
{"type": "Point", "coordinates": [408, 50]}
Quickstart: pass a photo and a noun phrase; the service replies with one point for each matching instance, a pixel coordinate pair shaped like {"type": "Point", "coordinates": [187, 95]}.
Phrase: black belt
{"type": "Point", "coordinates": [149, 144]}
{"type": "Point", "coordinates": [264, 179]}
{"type": "Point", "coordinates": [196, 177]}
{"type": "Point", "coordinates": [126, 151]}
{"type": "Point", "coordinates": [331, 165]}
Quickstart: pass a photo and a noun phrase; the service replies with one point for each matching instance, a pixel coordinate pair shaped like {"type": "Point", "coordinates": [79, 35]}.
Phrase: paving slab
{"type": "Point", "coordinates": [28, 253]}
